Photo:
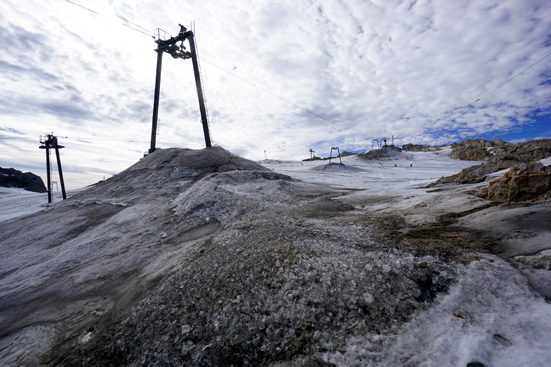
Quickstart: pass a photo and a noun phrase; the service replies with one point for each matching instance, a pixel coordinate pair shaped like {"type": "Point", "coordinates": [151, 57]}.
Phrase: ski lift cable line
{"type": "Point", "coordinates": [75, 138]}
{"type": "Point", "coordinates": [134, 24]}
{"type": "Point", "coordinates": [459, 110]}
{"type": "Point", "coordinates": [103, 139]}
{"type": "Point", "coordinates": [121, 17]}
{"type": "Point", "coordinates": [264, 89]}
{"type": "Point", "coordinates": [83, 139]}
{"type": "Point", "coordinates": [83, 7]}
{"type": "Point", "coordinates": [502, 84]}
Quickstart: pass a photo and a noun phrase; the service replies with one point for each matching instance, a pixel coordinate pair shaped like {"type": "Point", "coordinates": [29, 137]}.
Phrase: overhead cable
{"type": "Point", "coordinates": [264, 89]}
{"type": "Point", "coordinates": [501, 85]}
{"type": "Point", "coordinates": [121, 17]}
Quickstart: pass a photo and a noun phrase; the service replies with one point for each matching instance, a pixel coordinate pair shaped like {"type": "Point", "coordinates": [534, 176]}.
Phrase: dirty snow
{"type": "Point", "coordinates": [405, 171]}
{"type": "Point", "coordinates": [19, 202]}
{"type": "Point", "coordinates": [504, 322]}
{"type": "Point", "coordinates": [494, 313]}
{"type": "Point", "coordinates": [489, 317]}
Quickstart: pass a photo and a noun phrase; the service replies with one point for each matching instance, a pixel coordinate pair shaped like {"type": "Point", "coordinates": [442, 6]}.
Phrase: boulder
{"type": "Point", "coordinates": [523, 182]}
{"type": "Point", "coordinates": [10, 177]}
{"type": "Point", "coordinates": [532, 150]}
{"type": "Point", "coordinates": [474, 174]}
{"type": "Point", "coordinates": [344, 153]}
{"type": "Point", "coordinates": [384, 154]}
{"type": "Point", "coordinates": [478, 149]}
{"type": "Point", "coordinates": [501, 155]}
{"type": "Point", "coordinates": [470, 153]}
{"type": "Point", "coordinates": [420, 148]}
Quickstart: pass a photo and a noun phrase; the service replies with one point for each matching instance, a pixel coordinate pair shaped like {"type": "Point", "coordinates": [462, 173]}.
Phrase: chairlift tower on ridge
{"type": "Point", "coordinates": [51, 143]}
{"type": "Point", "coordinates": [331, 154]}
{"type": "Point", "coordinates": [169, 45]}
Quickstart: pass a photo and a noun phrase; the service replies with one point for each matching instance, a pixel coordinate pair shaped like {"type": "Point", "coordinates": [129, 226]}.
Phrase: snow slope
{"type": "Point", "coordinates": [19, 202]}
{"type": "Point", "coordinates": [402, 171]}
{"type": "Point", "coordinates": [491, 297]}
{"type": "Point", "coordinates": [203, 258]}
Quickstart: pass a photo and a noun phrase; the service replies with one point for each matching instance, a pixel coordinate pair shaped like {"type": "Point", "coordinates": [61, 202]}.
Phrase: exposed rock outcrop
{"type": "Point", "coordinates": [531, 150]}
{"type": "Point", "coordinates": [503, 155]}
{"type": "Point", "coordinates": [474, 174]}
{"type": "Point", "coordinates": [478, 149]}
{"type": "Point", "coordinates": [344, 153]}
{"type": "Point", "coordinates": [388, 153]}
{"type": "Point", "coordinates": [420, 148]}
{"type": "Point", "coordinates": [523, 182]}
{"type": "Point", "coordinates": [10, 177]}
{"type": "Point", "coordinates": [312, 159]}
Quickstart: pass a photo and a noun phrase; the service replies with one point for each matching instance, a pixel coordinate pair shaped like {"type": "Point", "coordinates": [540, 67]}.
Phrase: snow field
{"type": "Point", "coordinates": [248, 266]}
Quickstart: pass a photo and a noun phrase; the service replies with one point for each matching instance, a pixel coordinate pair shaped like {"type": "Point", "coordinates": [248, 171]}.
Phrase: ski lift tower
{"type": "Point", "coordinates": [331, 154]}
{"type": "Point", "coordinates": [169, 44]}
{"type": "Point", "coordinates": [51, 143]}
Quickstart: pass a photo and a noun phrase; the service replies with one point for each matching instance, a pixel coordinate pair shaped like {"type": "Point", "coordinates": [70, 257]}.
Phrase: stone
{"type": "Point", "coordinates": [478, 149]}
{"type": "Point", "coordinates": [502, 340]}
{"type": "Point", "coordinates": [475, 364]}
{"type": "Point", "coordinates": [501, 155]}
{"type": "Point", "coordinates": [420, 148]}
{"type": "Point", "coordinates": [523, 182]}
{"type": "Point", "coordinates": [533, 150]}
{"type": "Point", "coordinates": [388, 153]}
{"type": "Point", "coordinates": [10, 177]}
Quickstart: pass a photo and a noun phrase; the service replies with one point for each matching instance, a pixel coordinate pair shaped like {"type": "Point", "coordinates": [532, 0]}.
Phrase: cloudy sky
{"type": "Point", "coordinates": [280, 77]}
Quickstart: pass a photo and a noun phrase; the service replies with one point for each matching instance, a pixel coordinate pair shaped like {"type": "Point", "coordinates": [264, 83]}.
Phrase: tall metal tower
{"type": "Point", "coordinates": [51, 143]}
{"type": "Point", "coordinates": [178, 51]}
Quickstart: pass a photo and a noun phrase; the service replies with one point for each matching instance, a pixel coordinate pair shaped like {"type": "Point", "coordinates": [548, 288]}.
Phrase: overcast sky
{"type": "Point", "coordinates": [279, 77]}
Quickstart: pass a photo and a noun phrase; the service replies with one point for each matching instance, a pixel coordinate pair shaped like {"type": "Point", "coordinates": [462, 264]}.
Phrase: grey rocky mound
{"type": "Point", "coordinates": [203, 258]}
{"type": "Point", "coordinates": [211, 159]}
{"type": "Point", "coordinates": [497, 155]}
{"type": "Point", "coordinates": [420, 148]}
{"type": "Point", "coordinates": [336, 167]}
{"type": "Point", "coordinates": [10, 177]}
{"type": "Point", "coordinates": [479, 149]}
{"type": "Point", "coordinates": [523, 182]}
{"type": "Point", "coordinates": [390, 153]}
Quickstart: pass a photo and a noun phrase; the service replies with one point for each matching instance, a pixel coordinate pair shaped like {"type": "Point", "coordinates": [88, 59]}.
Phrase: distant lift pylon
{"type": "Point", "coordinates": [178, 51]}
{"type": "Point", "coordinates": [51, 143]}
